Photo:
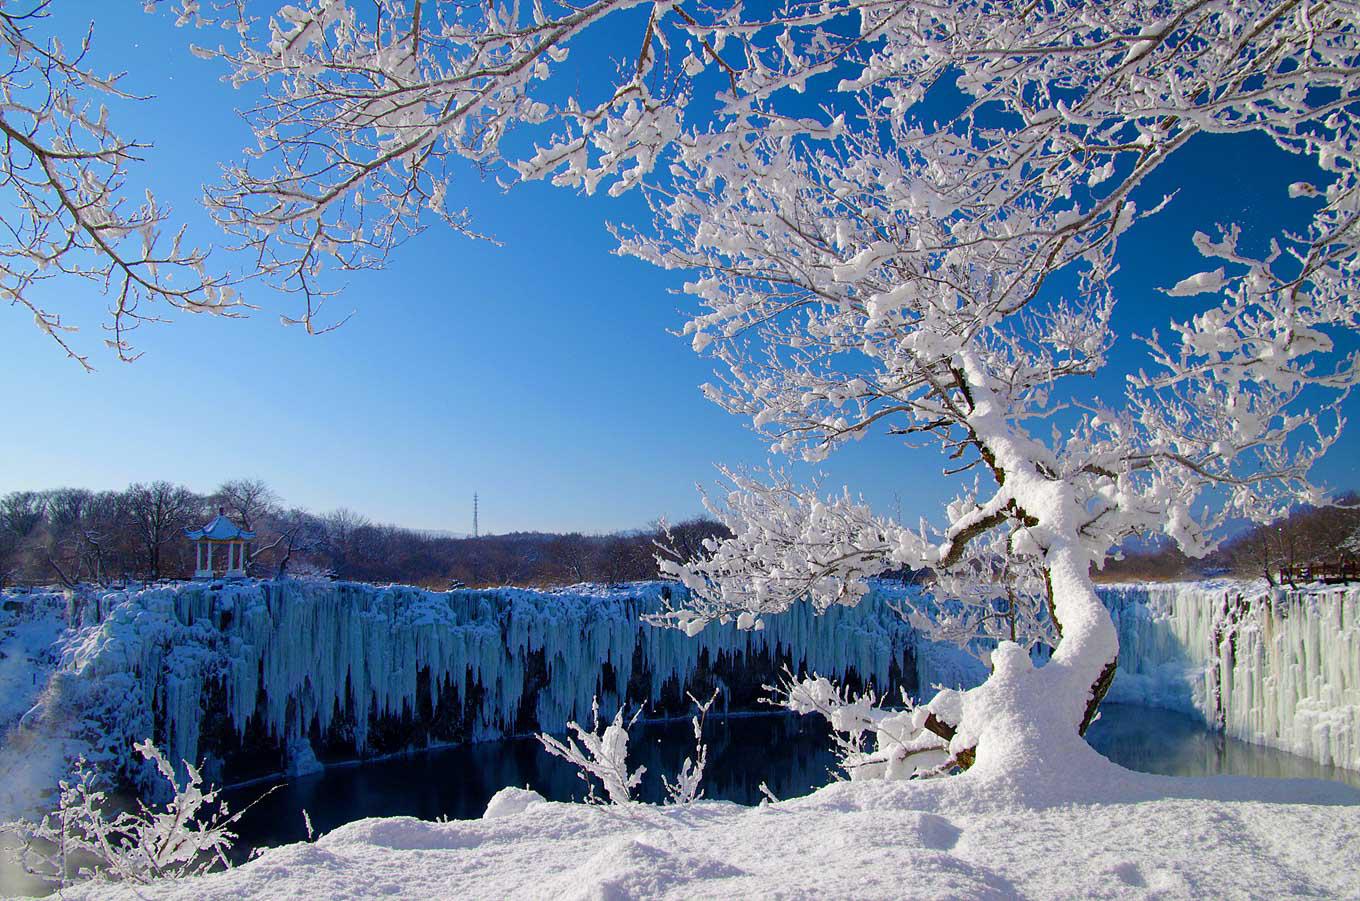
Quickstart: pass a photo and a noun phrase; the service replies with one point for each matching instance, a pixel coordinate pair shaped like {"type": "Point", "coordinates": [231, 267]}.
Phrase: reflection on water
{"type": "Point", "coordinates": [790, 754]}
{"type": "Point", "coordinates": [1159, 741]}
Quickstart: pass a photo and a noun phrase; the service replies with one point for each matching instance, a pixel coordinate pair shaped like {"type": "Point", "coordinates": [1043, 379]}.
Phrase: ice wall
{"type": "Point", "coordinates": [1275, 667]}
{"type": "Point", "coordinates": [297, 653]}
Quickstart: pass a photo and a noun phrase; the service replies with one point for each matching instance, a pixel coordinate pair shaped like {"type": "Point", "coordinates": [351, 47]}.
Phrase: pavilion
{"type": "Point", "coordinates": [210, 538]}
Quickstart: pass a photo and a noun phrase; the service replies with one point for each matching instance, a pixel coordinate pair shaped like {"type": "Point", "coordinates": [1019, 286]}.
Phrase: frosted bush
{"type": "Point", "coordinates": [686, 788]}
{"type": "Point", "coordinates": [84, 838]}
{"type": "Point", "coordinates": [602, 755]}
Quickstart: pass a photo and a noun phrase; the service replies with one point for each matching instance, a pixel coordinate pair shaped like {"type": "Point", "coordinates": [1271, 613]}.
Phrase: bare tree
{"type": "Point", "coordinates": [64, 169]}
{"type": "Point", "coordinates": [159, 513]}
{"type": "Point", "coordinates": [345, 538]}
{"type": "Point", "coordinates": [22, 515]}
{"type": "Point", "coordinates": [247, 501]}
{"type": "Point", "coordinates": [289, 533]}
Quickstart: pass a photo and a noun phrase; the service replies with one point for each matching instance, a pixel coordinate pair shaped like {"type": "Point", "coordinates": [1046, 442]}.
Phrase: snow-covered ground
{"type": "Point", "coordinates": [1094, 831]}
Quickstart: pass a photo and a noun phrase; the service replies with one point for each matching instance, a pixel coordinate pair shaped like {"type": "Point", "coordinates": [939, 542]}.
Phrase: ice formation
{"type": "Point", "coordinates": [319, 648]}
{"type": "Point", "coordinates": [1274, 667]}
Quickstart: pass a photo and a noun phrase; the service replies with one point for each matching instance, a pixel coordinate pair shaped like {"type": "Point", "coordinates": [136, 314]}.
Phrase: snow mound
{"type": "Point", "coordinates": [632, 868]}
{"type": "Point", "coordinates": [511, 801]}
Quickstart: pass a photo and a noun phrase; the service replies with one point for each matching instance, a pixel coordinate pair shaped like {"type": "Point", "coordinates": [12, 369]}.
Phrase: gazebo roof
{"type": "Point", "coordinates": [220, 529]}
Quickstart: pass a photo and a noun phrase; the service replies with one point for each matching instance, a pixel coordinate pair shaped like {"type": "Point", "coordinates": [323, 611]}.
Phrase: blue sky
{"type": "Point", "coordinates": [538, 373]}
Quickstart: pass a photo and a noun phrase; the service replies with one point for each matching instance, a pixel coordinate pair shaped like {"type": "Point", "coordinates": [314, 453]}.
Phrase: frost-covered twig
{"type": "Point", "coordinates": [601, 754]}
{"type": "Point", "coordinates": [686, 788]}
{"type": "Point", "coordinates": [190, 836]}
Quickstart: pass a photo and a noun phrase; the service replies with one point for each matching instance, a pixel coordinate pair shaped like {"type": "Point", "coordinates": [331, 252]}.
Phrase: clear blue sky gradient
{"type": "Point", "coordinates": [539, 373]}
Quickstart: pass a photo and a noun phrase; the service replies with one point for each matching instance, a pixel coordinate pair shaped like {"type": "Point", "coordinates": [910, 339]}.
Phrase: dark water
{"type": "Point", "coordinates": [790, 754]}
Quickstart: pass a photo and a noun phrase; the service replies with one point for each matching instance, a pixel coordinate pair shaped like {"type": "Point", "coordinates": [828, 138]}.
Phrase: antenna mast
{"type": "Point", "coordinates": [474, 515]}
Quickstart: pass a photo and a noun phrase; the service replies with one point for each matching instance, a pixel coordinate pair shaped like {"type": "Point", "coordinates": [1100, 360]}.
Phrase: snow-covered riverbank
{"type": "Point", "coordinates": [209, 670]}
{"type": "Point", "coordinates": [1098, 832]}
{"type": "Point", "coordinates": [1253, 666]}
{"type": "Point", "coordinates": [364, 669]}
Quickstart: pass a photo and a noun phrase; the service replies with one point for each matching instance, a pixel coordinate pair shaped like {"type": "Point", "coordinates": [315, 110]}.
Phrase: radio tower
{"type": "Point", "coordinates": [474, 515]}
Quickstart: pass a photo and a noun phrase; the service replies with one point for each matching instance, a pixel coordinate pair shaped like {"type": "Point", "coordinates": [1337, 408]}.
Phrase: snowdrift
{"type": "Point", "coordinates": [1103, 833]}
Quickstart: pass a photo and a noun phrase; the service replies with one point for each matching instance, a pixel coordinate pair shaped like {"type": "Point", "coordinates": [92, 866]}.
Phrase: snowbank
{"type": "Point", "coordinates": [1104, 832]}
{"type": "Point", "coordinates": [1273, 667]}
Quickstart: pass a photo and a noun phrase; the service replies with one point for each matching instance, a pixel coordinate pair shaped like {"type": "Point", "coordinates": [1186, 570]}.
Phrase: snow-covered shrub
{"type": "Point", "coordinates": [601, 754]}
{"type": "Point", "coordinates": [686, 788]}
{"type": "Point", "coordinates": [84, 838]}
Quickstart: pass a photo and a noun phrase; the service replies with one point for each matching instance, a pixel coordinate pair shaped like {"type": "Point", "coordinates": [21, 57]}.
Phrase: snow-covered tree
{"type": "Point", "coordinates": [899, 272]}
{"type": "Point", "coordinates": [888, 260]}
{"type": "Point", "coordinates": [903, 218]}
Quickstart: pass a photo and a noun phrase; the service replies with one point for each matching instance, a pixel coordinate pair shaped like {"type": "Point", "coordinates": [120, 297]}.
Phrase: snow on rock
{"type": "Point", "coordinates": [1269, 666]}
{"type": "Point", "coordinates": [510, 801]}
{"type": "Point", "coordinates": [301, 759]}
{"type": "Point", "coordinates": [1103, 832]}
{"type": "Point", "coordinates": [30, 624]}
{"type": "Point", "coordinates": [295, 655]}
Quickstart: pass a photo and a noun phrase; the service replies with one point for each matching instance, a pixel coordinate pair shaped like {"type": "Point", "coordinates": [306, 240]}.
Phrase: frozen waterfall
{"type": "Point", "coordinates": [294, 656]}
{"type": "Point", "coordinates": [1274, 667]}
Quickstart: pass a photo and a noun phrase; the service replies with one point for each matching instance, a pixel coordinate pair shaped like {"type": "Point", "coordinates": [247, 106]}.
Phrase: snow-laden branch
{"type": "Point", "coordinates": [602, 755]}
{"type": "Point", "coordinates": [85, 839]}
{"type": "Point", "coordinates": [688, 785]}
{"type": "Point", "coordinates": [787, 545]}
{"type": "Point", "coordinates": [904, 744]}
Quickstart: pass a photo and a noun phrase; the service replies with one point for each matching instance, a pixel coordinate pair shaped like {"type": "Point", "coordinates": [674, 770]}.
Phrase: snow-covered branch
{"type": "Point", "coordinates": [688, 785]}
{"type": "Point", "coordinates": [904, 744]}
{"type": "Point", "coordinates": [83, 838]}
{"type": "Point", "coordinates": [602, 754]}
{"type": "Point", "coordinates": [64, 172]}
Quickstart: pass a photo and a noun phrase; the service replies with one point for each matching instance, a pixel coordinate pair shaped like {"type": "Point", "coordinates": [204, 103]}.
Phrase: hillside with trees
{"type": "Point", "coordinates": [69, 536]}
{"type": "Point", "coordinates": [1309, 544]}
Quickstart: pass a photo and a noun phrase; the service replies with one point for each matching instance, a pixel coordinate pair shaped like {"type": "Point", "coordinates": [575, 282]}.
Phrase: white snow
{"type": "Point", "coordinates": [1199, 283]}
{"type": "Point", "coordinates": [30, 624]}
{"type": "Point", "coordinates": [1287, 672]}
{"type": "Point", "coordinates": [1041, 818]}
{"type": "Point", "coordinates": [1099, 832]}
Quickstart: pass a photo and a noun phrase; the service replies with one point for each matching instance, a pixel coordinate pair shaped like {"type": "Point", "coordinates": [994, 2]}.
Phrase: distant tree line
{"type": "Point", "coordinates": [1310, 544]}
{"type": "Point", "coordinates": [74, 536]}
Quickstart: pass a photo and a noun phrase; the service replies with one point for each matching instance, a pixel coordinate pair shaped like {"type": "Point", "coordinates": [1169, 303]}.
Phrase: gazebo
{"type": "Point", "coordinates": [221, 531]}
